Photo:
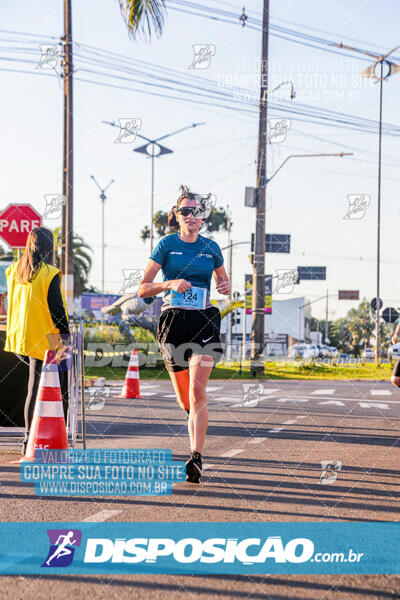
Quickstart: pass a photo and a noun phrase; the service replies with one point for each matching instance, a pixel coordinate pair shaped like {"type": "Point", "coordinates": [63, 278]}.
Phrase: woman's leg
{"type": "Point", "coordinates": [180, 381]}
{"type": "Point", "coordinates": [200, 367]}
{"type": "Point", "coordinates": [35, 370]}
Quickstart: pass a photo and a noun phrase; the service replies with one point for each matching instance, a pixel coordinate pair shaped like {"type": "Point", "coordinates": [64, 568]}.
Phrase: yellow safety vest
{"type": "Point", "coordinates": [28, 316]}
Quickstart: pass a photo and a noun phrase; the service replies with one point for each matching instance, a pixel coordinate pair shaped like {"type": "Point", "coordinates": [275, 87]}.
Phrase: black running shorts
{"type": "Point", "coordinates": [396, 369]}
{"type": "Point", "coordinates": [182, 333]}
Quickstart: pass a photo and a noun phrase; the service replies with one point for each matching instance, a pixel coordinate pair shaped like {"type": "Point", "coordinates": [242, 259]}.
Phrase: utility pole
{"type": "Point", "coordinates": [258, 301]}
{"type": "Point", "coordinates": [67, 263]}
{"type": "Point", "coordinates": [378, 225]}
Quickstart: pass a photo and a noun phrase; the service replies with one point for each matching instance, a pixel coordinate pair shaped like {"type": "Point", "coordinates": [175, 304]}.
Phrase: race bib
{"type": "Point", "coordinates": [194, 297]}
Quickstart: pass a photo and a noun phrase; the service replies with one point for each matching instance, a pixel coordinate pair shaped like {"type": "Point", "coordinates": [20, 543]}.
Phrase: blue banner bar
{"type": "Point", "coordinates": [199, 548]}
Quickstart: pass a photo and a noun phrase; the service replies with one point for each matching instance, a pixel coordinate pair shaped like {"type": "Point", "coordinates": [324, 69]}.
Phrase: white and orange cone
{"type": "Point", "coordinates": [131, 387]}
{"type": "Point", "coordinates": [48, 429]}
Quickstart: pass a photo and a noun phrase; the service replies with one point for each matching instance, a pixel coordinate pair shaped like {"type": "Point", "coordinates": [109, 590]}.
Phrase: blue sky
{"type": "Point", "coordinates": [307, 199]}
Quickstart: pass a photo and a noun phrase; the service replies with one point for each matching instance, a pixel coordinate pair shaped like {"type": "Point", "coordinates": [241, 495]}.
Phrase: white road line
{"type": "Point", "coordinates": [151, 385]}
{"type": "Point", "coordinates": [257, 440]}
{"type": "Point", "coordinates": [323, 392]}
{"type": "Point", "coordinates": [289, 422]}
{"type": "Point", "coordinates": [380, 393]}
{"type": "Point", "coordinates": [296, 399]}
{"type": "Point", "coordinates": [213, 388]}
{"type": "Point", "coordinates": [301, 399]}
{"type": "Point", "coordinates": [270, 390]}
{"type": "Point", "coordinates": [335, 402]}
{"type": "Point", "coordinates": [302, 417]}
{"type": "Point", "coordinates": [275, 430]}
{"type": "Point", "coordinates": [231, 453]}
{"type": "Point", "coordinates": [103, 515]}
{"type": "Point", "coordinates": [149, 393]}
{"type": "Point", "coordinates": [169, 395]}
{"type": "Point", "coordinates": [208, 466]}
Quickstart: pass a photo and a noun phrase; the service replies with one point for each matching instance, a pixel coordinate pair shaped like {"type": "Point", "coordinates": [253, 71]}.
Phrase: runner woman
{"type": "Point", "coordinates": [189, 326]}
{"type": "Point", "coordinates": [395, 378]}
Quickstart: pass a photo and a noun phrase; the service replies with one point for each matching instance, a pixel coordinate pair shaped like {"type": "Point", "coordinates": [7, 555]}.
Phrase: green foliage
{"type": "Point", "coordinates": [81, 258]}
{"type": "Point", "coordinates": [143, 16]}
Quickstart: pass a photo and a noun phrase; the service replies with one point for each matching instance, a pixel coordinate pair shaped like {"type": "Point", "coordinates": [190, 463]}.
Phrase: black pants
{"type": "Point", "coordinates": [35, 370]}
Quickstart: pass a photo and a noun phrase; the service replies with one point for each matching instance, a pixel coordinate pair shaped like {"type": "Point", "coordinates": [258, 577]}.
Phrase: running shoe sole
{"type": "Point", "coordinates": [193, 471]}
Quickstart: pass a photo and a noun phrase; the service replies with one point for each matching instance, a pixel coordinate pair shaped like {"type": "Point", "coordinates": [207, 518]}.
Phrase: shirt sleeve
{"type": "Point", "coordinates": [219, 258]}
{"type": "Point", "coordinates": [56, 307]}
{"type": "Point", "coordinates": [159, 252]}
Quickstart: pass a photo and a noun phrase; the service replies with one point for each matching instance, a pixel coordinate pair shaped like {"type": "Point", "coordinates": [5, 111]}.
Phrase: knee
{"type": "Point", "coordinates": [395, 380]}
{"type": "Point", "coordinates": [197, 394]}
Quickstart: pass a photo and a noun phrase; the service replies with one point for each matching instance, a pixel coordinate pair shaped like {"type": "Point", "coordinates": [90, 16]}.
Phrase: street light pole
{"type": "Point", "coordinates": [152, 149]}
{"type": "Point", "coordinates": [103, 198]}
{"type": "Point", "coordinates": [371, 72]}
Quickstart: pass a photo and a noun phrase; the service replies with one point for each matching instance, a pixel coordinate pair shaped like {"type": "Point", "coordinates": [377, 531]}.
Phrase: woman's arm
{"type": "Point", "coordinates": [395, 337]}
{"type": "Point", "coordinates": [147, 288]}
{"type": "Point", "coordinates": [222, 281]}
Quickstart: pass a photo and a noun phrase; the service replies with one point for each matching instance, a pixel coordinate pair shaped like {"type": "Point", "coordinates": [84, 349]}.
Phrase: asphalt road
{"type": "Point", "coordinates": [262, 462]}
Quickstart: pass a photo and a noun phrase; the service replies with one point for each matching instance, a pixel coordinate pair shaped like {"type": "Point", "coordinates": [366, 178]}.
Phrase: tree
{"type": "Point", "coordinates": [81, 259]}
{"type": "Point", "coordinates": [143, 16]}
{"type": "Point", "coordinates": [216, 221]}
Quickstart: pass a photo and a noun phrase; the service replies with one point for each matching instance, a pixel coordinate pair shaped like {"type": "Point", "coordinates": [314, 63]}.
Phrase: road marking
{"type": "Point", "coordinates": [149, 393]}
{"type": "Point", "coordinates": [257, 440]}
{"type": "Point", "coordinates": [212, 388]}
{"type": "Point", "coordinates": [293, 399]}
{"type": "Point", "coordinates": [270, 391]}
{"type": "Point", "coordinates": [323, 392]}
{"type": "Point", "coordinates": [151, 385]}
{"type": "Point", "coordinates": [380, 393]}
{"type": "Point", "coordinates": [301, 399]}
{"type": "Point", "coordinates": [302, 417]}
{"type": "Point", "coordinates": [289, 422]}
{"type": "Point", "coordinates": [103, 515]}
{"type": "Point", "coordinates": [169, 395]}
{"type": "Point", "coordinates": [207, 466]}
{"type": "Point", "coordinates": [231, 453]}
{"type": "Point", "coordinates": [335, 402]}
{"type": "Point", "coordinates": [374, 405]}
{"type": "Point", "coordinates": [275, 430]}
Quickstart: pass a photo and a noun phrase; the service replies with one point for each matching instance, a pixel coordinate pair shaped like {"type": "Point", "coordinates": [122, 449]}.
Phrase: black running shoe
{"type": "Point", "coordinates": [193, 467]}
{"type": "Point", "coordinates": [188, 414]}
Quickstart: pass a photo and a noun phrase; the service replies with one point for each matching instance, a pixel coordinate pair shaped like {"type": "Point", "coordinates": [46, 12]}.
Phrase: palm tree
{"type": "Point", "coordinates": [143, 16]}
{"type": "Point", "coordinates": [81, 259]}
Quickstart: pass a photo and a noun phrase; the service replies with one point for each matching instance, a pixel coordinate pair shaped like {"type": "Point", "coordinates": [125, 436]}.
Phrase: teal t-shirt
{"type": "Point", "coordinates": [193, 261]}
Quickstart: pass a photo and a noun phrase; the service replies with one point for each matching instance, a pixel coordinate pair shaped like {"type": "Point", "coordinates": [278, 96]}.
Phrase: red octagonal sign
{"type": "Point", "coordinates": [16, 221]}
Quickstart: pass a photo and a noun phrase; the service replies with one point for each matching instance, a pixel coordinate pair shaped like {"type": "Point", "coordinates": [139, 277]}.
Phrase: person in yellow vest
{"type": "Point", "coordinates": [37, 318]}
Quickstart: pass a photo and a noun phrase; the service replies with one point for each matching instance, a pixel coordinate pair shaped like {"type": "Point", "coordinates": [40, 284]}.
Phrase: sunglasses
{"type": "Point", "coordinates": [185, 211]}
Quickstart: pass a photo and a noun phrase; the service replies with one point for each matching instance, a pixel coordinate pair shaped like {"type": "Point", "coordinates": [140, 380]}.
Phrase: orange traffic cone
{"type": "Point", "coordinates": [131, 387]}
{"type": "Point", "coordinates": [48, 429]}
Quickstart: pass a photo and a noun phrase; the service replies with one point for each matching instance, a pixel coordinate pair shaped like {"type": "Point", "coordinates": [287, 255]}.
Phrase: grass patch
{"type": "Point", "coordinates": [273, 370]}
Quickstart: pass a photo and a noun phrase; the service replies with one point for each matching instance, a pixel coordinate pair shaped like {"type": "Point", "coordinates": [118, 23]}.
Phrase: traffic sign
{"type": "Point", "coordinates": [390, 315]}
{"type": "Point", "coordinates": [376, 303]}
{"type": "Point", "coordinates": [312, 273]}
{"type": "Point", "coordinates": [16, 221]}
{"type": "Point", "coordinates": [275, 242]}
{"type": "Point", "coordinates": [349, 294]}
